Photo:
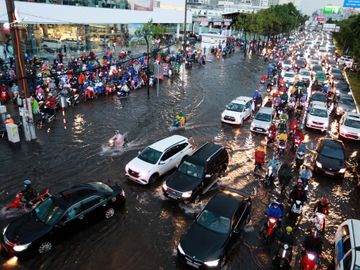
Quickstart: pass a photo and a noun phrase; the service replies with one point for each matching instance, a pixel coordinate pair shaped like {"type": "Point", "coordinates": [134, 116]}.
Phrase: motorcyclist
{"type": "Point", "coordinates": [118, 139]}
{"type": "Point", "coordinates": [298, 135]}
{"type": "Point", "coordinates": [282, 137]}
{"type": "Point", "coordinates": [306, 173]}
{"type": "Point", "coordinates": [293, 124]}
{"type": "Point", "coordinates": [272, 133]}
{"type": "Point", "coordinates": [260, 153]}
{"type": "Point", "coordinates": [29, 193]}
{"type": "Point", "coordinates": [180, 120]}
{"type": "Point", "coordinates": [275, 209]}
{"type": "Point", "coordinates": [313, 243]}
{"type": "Point", "coordinates": [284, 176]}
{"type": "Point", "coordinates": [322, 206]}
{"type": "Point", "coordinates": [51, 104]}
{"type": "Point", "coordinates": [298, 194]}
{"type": "Point", "coordinates": [274, 164]}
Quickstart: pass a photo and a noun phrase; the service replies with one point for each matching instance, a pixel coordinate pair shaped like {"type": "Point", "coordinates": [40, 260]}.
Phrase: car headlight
{"type": "Point", "coordinates": [111, 141]}
{"type": "Point", "coordinates": [19, 248]}
{"type": "Point", "coordinates": [213, 263]}
{"type": "Point", "coordinates": [186, 194]}
{"type": "Point", "coordinates": [318, 164]}
{"type": "Point", "coordinates": [342, 170]}
{"type": "Point", "coordinates": [4, 230]}
{"type": "Point", "coordinates": [181, 250]}
{"type": "Point", "coordinates": [164, 186]}
{"type": "Point", "coordinates": [252, 125]}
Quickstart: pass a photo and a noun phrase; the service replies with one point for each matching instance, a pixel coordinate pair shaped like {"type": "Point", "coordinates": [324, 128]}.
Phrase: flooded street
{"type": "Point", "coordinates": [145, 234]}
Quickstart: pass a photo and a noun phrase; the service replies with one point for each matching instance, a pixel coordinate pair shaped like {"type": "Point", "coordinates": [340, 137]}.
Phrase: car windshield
{"type": "Point", "coordinates": [48, 212]}
{"type": "Point", "coordinates": [214, 222]}
{"type": "Point", "coordinates": [289, 75]}
{"type": "Point", "coordinates": [150, 155]}
{"type": "Point", "coordinates": [352, 123]}
{"type": "Point", "coordinates": [263, 117]}
{"type": "Point", "coordinates": [235, 107]}
{"type": "Point", "coordinates": [192, 170]}
{"type": "Point", "coordinates": [347, 100]}
{"type": "Point", "coordinates": [335, 70]}
{"type": "Point", "coordinates": [101, 187]}
{"type": "Point", "coordinates": [330, 152]}
{"type": "Point", "coordinates": [305, 73]}
{"type": "Point", "coordinates": [287, 63]}
{"type": "Point", "coordinates": [318, 112]}
{"type": "Point", "coordinates": [317, 68]}
{"type": "Point", "coordinates": [318, 97]}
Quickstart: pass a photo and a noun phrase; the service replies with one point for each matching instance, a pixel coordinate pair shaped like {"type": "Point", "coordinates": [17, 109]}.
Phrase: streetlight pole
{"type": "Point", "coordinates": [27, 116]}
{"type": "Point", "coordinates": [185, 17]}
{"type": "Point", "coordinates": [148, 65]}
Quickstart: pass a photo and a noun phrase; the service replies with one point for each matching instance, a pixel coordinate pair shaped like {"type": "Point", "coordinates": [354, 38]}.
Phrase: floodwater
{"type": "Point", "coordinates": [145, 234]}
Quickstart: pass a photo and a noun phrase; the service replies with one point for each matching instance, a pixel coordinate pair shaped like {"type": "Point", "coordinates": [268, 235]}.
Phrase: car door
{"type": "Point", "coordinates": [247, 109]}
{"type": "Point", "coordinates": [93, 206]}
{"type": "Point", "coordinates": [72, 220]}
{"type": "Point", "coordinates": [167, 161]}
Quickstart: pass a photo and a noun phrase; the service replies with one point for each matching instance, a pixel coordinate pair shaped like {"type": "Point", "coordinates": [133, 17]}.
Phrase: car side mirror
{"type": "Point", "coordinates": [161, 162]}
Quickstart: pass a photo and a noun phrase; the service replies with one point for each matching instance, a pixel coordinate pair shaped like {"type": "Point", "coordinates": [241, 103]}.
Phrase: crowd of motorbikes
{"type": "Point", "coordinates": [285, 135]}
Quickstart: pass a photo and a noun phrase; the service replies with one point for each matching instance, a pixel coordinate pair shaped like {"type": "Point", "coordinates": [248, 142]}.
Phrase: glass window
{"type": "Point", "coordinates": [214, 222]}
{"type": "Point", "coordinates": [319, 112]}
{"type": "Point", "coordinates": [101, 187]}
{"type": "Point", "coordinates": [48, 212]}
{"type": "Point", "coordinates": [235, 107]}
{"type": "Point", "coordinates": [73, 211]}
{"type": "Point", "coordinates": [345, 231]}
{"type": "Point", "coordinates": [331, 152]}
{"type": "Point", "coordinates": [348, 261]}
{"type": "Point", "coordinates": [150, 155]}
{"type": "Point", "coordinates": [352, 123]}
{"type": "Point", "coordinates": [90, 202]}
{"type": "Point", "coordinates": [263, 117]}
{"type": "Point", "coordinates": [346, 244]}
{"type": "Point", "coordinates": [169, 153]}
{"type": "Point", "coordinates": [192, 170]}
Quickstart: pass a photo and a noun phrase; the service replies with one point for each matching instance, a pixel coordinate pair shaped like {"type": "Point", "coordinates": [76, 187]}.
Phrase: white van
{"type": "Point", "coordinates": [347, 246]}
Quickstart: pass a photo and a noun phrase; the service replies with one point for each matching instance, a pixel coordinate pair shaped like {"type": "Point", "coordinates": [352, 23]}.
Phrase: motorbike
{"type": "Point", "coordinates": [295, 212]}
{"type": "Point", "coordinates": [318, 221]}
{"type": "Point", "coordinates": [113, 144]}
{"type": "Point", "coordinates": [19, 202]}
{"type": "Point", "coordinates": [300, 156]}
{"type": "Point", "coordinates": [283, 257]}
{"type": "Point", "coordinates": [47, 115]}
{"type": "Point", "coordinates": [281, 147]}
{"type": "Point", "coordinates": [309, 261]}
{"type": "Point", "coordinates": [269, 176]}
{"type": "Point", "coordinates": [297, 142]}
{"type": "Point", "coordinates": [270, 228]}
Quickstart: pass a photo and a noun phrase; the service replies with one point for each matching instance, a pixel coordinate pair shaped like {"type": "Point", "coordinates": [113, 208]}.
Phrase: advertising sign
{"type": "Point", "coordinates": [320, 19]}
{"type": "Point", "coordinates": [351, 4]}
{"type": "Point", "coordinates": [147, 5]}
{"type": "Point", "coordinates": [332, 10]}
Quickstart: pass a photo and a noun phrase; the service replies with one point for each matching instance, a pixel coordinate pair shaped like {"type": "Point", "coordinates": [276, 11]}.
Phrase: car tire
{"type": "Point", "coordinates": [153, 179]}
{"type": "Point", "coordinates": [109, 213]}
{"type": "Point", "coordinates": [45, 247]}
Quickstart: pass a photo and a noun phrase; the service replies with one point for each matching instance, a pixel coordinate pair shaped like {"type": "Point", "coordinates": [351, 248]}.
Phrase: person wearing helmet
{"type": "Point", "coordinates": [322, 206]}
{"type": "Point", "coordinates": [29, 193]}
{"type": "Point", "coordinates": [306, 173]}
{"type": "Point", "coordinates": [275, 210]}
{"type": "Point", "coordinates": [298, 194]}
{"type": "Point", "coordinates": [313, 243]}
{"type": "Point", "coordinates": [286, 238]}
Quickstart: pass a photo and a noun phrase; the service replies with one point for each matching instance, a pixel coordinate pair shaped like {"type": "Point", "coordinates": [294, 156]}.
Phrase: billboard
{"type": "Point", "coordinates": [351, 4]}
{"type": "Point", "coordinates": [147, 5]}
{"type": "Point", "coordinates": [332, 10]}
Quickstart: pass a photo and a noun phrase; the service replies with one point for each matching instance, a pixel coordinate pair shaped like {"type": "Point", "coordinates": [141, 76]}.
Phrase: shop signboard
{"type": "Point", "coordinates": [145, 5]}
{"type": "Point", "coordinates": [320, 19]}
{"type": "Point", "coordinates": [332, 10]}
{"type": "Point", "coordinates": [351, 4]}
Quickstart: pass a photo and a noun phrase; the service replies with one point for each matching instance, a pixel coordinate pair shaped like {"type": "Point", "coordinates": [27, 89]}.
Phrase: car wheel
{"type": "Point", "coordinates": [109, 213]}
{"type": "Point", "coordinates": [153, 179]}
{"type": "Point", "coordinates": [45, 247]}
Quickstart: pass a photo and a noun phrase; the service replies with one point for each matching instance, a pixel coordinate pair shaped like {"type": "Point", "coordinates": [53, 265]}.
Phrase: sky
{"type": "Point", "coordinates": [309, 6]}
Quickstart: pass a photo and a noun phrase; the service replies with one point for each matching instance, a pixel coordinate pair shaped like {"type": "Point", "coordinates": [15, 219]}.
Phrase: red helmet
{"type": "Point", "coordinates": [323, 201]}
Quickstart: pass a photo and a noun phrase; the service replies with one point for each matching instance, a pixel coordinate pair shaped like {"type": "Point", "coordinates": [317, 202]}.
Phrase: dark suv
{"type": "Point", "coordinates": [197, 173]}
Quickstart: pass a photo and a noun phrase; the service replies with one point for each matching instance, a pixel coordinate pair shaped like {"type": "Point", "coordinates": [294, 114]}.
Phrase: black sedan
{"type": "Point", "coordinates": [59, 216]}
{"type": "Point", "coordinates": [206, 243]}
{"type": "Point", "coordinates": [330, 158]}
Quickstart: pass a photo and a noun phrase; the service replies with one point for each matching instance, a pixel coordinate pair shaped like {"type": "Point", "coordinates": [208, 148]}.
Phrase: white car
{"type": "Point", "coordinates": [237, 111]}
{"type": "Point", "coordinates": [318, 116]}
{"type": "Point", "coordinates": [287, 64]}
{"type": "Point", "coordinates": [262, 120]}
{"type": "Point", "coordinates": [305, 75]}
{"type": "Point", "coordinates": [289, 77]}
{"type": "Point", "coordinates": [350, 126]}
{"type": "Point", "coordinates": [346, 60]}
{"type": "Point", "coordinates": [158, 158]}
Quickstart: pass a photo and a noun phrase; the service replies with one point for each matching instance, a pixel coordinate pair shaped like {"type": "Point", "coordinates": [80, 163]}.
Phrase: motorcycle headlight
{"type": "Point", "coordinates": [342, 170]}
{"type": "Point", "coordinates": [318, 164]}
{"type": "Point", "coordinates": [181, 250]}
{"type": "Point", "coordinates": [164, 186]}
{"type": "Point", "coordinates": [111, 141]}
{"type": "Point", "coordinates": [213, 263]}
{"type": "Point", "coordinates": [187, 194]}
{"type": "Point", "coordinates": [19, 248]}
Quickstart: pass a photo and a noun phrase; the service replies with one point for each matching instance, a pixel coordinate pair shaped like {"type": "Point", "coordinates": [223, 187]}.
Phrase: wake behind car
{"type": "Point", "coordinates": [158, 159]}
{"type": "Point", "coordinates": [59, 215]}
{"type": "Point", "coordinates": [197, 173]}
{"type": "Point", "coordinates": [237, 111]}
{"type": "Point", "coordinates": [262, 120]}
{"type": "Point", "coordinates": [207, 241]}
{"type": "Point", "coordinates": [330, 158]}
{"type": "Point", "coordinates": [350, 126]}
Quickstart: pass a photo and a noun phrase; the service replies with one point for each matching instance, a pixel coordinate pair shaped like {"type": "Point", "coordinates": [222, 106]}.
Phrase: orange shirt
{"type": "Point", "coordinates": [9, 121]}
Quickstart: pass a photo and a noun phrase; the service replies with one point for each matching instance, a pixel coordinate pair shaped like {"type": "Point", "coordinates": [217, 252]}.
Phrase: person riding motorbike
{"type": "Point", "coordinates": [275, 209]}
{"type": "Point", "coordinates": [271, 175]}
{"type": "Point", "coordinates": [298, 194]}
{"type": "Point", "coordinates": [272, 133]}
{"type": "Point", "coordinates": [322, 206]}
{"type": "Point", "coordinates": [305, 173]}
{"type": "Point", "coordinates": [29, 193]}
{"type": "Point", "coordinates": [180, 120]}
{"type": "Point", "coordinates": [260, 153]}
{"type": "Point", "coordinates": [284, 176]}
{"type": "Point", "coordinates": [286, 238]}
{"type": "Point", "coordinates": [294, 123]}
{"type": "Point", "coordinates": [313, 243]}
{"type": "Point", "coordinates": [118, 140]}
{"type": "Point", "coordinates": [298, 137]}
{"type": "Point", "coordinates": [51, 105]}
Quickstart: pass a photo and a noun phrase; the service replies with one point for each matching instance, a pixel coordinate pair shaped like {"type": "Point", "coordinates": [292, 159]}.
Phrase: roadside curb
{"type": "Point", "coordinates": [351, 91]}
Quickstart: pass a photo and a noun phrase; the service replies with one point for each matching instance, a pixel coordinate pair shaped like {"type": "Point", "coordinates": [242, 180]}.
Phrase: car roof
{"type": "Point", "coordinates": [352, 116]}
{"type": "Point", "coordinates": [204, 153]}
{"type": "Point", "coordinates": [223, 204]}
{"type": "Point", "coordinates": [75, 194]}
{"type": "Point", "coordinates": [165, 143]}
{"type": "Point", "coordinates": [266, 110]}
{"type": "Point", "coordinates": [243, 99]}
{"type": "Point", "coordinates": [333, 143]}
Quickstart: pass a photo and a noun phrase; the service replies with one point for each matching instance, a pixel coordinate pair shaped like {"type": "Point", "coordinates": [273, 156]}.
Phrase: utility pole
{"type": "Point", "coordinates": [26, 110]}
{"type": "Point", "coordinates": [184, 45]}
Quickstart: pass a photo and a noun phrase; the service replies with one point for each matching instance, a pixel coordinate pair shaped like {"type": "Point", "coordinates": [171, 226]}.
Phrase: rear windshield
{"type": "Point", "coordinates": [235, 107]}
{"type": "Point", "coordinates": [263, 117]}
{"type": "Point", "coordinates": [331, 152]}
{"type": "Point", "coordinates": [192, 170]}
{"type": "Point", "coordinates": [352, 123]}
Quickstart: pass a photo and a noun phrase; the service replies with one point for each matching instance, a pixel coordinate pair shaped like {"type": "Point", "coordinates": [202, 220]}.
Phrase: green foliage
{"type": "Point", "coordinates": [278, 19]}
{"type": "Point", "coordinates": [151, 31]}
{"type": "Point", "coordinates": [348, 39]}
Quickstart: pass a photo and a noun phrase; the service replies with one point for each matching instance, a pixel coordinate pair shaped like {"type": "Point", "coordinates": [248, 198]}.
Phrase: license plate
{"type": "Point", "coordinates": [329, 173]}
{"type": "Point", "coordinates": [192, 264]}
{"type": "Point", "coordinates": [258, 129]}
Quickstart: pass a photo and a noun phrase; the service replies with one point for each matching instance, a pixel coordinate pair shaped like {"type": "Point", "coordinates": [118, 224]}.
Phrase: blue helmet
{"type": "Point", "coordinates": [27, 183]}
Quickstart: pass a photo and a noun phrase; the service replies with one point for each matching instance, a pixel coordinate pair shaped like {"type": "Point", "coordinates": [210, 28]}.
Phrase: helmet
{"type": "Point", "coordinates": [8, 116]}
{"type": "Point", "coordinates": [289, 229]}
{"type": "Point", "coordinates": [27, 183]}
{"type": "Point", "coordinates": [323, 201]}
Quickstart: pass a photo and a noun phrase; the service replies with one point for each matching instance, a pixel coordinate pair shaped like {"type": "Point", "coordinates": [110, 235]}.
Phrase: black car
{"type": "Point", "coordinates": [59, 216]}
{"type": "Point", "coordinates": [345, 103]}
{"type": "Point", "coordinates": [342, 87]}
{"type": "Point", "coordinates": [318, 96]}
{"type": "Point", "coordinates": [330, 158]}
{"type": "Point", "coordinates": [197, 173]}
{"type": "Point", "coordinates": [208, 239]}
